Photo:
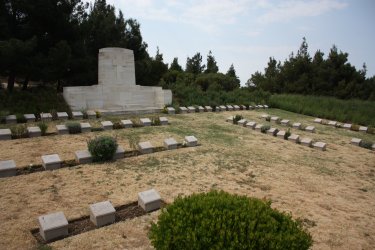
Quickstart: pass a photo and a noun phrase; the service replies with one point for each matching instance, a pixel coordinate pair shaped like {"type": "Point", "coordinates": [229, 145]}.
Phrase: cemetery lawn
{"type": "Point", "coordinates": [332, 192]}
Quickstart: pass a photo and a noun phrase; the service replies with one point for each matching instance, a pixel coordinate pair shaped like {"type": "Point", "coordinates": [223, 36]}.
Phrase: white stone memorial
{"type": "Point", "coordinates": [119, 154]}
{"type": "Point", "coordinates": [320, 145]}
{"type": "Point", "coordinates": [10, 119]}
{"type": "Point", "coordinates": [170, 143]}
{"type": "Point", "coordinates": [223, 108]}
{"type": "Point", "coordinates": [62, 115]}
{"type": "Point", "coordinates": [285, 122]}
{"type": "Point", "coordinates": [77, 115]}
{"type": "Point", "coordinates": [191, 141]}
{"type": "Point", "coordinates": [236, 107]}
{"type": "Point", "coordinates": [149, 200]}
{"type": "Point", "coordinates": [85, 127]}
{"type": "Point", "coordinates": [230, 108]}
{"type": "Point", "coordinates": [332, 123]}
{"type": "Point", "coordinates": [53, 226]}
{"type": "Point", "coordinates": [208, 108]}
{"type": "Point", "coordinates": [7, 168]}
{"type": "Point", "coordinates": [230, 119]}
{"type": "Point", "coordinates": [146, 147]}
{"type": "Point", "coordinates": [163, 120]}
{"type": "Point", "coordinates": [34, 132]}
{"type": "Point", "coordinates": [281, 134]}
{"type": "Point", "coordinates": [29, 117]}
{"type": "Point", "coordinates": [251, 125]}
{"type": "Point", "coordinates": [297, 125]}
{"type": "Point", "coordinates": [306, 142]}
{"type": "Point", "coordinates": [83, 157]}
{"type": "Point", "coordinates": [272, 131]}
{"type": "Point", "coordinates": [356, 141]}
{"type": "Point", "coordinates": [127, 123]}
{"type": "Point", "coordinates": [183, 110]}
{"type": "Point", "coordinates": [275, 119]}
{"type": "Point", "coordinates": [51, 162]}
{"type": "Point", "coordinates": [310, 129]}
{"type": "Point", "coordinates": [318, 120]}
{"type": "Point", "coordinates": [62, 129]}
{"type": "Point", "coordinates": [117, 91]}
{"type": "Point", "coordinates": [363, 129]}
{"type": "Point", "coordinates": [200, 109]}
{"type": "Point", "coordinates": [91, 114]}
{"type": "Point", "coordinates": [145, 122]}
{"type": "Point", "coordinates": [102, 213]}
{"type": "Point", "coordinates": [242, 122]}
{"type": "Point", "coordinates": [5, 134]}
{"type": "Point", "coordinates": [294, 138]}
{"type": "Point", "coordinates": [191, 109]}
{"type": "Point", "coordinates": [107, 125]}
{"type": "Point", "coordinates": [46, 117]}
{"type": "Point", "coordinates": [171, 110]}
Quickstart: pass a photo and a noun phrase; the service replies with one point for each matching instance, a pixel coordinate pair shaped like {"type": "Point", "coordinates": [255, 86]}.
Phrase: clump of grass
{"type": "Point", "coordinates": [366, 144]}
{"type": "Point", "coordinates": [98, 114]}
{"type": "Point", "coordinates": [21, 118]}
{"type": "Point", "coordinates": [287, 134]}
{"type": "Point", "coordinates": [43, 127]}
{"type": "Point", "coordinates": [265, 128]}
{"type": "Point", "coordinates": [73, 127]}
{"type": "Point", "coordinates": [118, 125]}
{"type": "Point", "coordinates": [155, 121]}
{"type": "Point", "coordinates": [236, 118]}
{"type": "Point", "coordinates": [19, 131]}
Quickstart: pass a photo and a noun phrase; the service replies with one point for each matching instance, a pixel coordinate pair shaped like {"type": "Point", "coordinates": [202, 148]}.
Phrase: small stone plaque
{"type": "Point", "coordinates": [347, 126]}
{"type": "Point", "coordinates": [171, 110]}
{"type": "Point", "coordinates": [306, 142]}
{"type": "Point", "coordinates": [285, 122]}
{"type": "Point", "coordinates": [170, 143]}
{"type": "Point", "coordinates": [251, 107]}
{"type": "Point", "coordinates": [77, 115]}
{"type": "Point", "coordinates": [363, 129]}
{"type": "Point", "coordinates": [145, 147]}
{"type": "Point", "coordinates": [230, 119]}
{"type": "Point", "coordinates": [8, 168]}
{"type": "Point", "coordinates": [243, 107]}
{"type": "Point", "coordinates": [191, 141]}
{"type": "Point", "coordinates": [119, 154]}
{"type": "Point", "coordinates": [332, 123]}
{"type": "Point", "coordinates": [208, 108]}
{"type": "Point", "coordinates": [91, 114]}
{"type": "Point", "coordinates": [53, 226]}
{"type": "Point", "coordinates": [200, 109]}
{"type": "Point", "coordinates": [320, 145]}
{"type": "Point", "coordinates": [258, 127]}
{"type": "Point", "coordinates": [260, 106]}
{"type": "Point", "coordinates": [265, 106]}
{"type": "Point", "coordinates": [356, 141]}
{"type": "Point", "coordinates": [164, 120]}
{"type": "Point", "coordinates": [230, 108]}
{"type": "Point", "coordinates": [29, 117]}
{"type": "Point", "coordinates": [294, 138]}
{"type": "Point", "coordinates": [102, 213]}
{"type": "Point", "coordinates": [297, 125]}
{"type": "Point", "coordinates": [318, 120]}
{"type": "Point", "coordinates": [5, 134]}
{"type": "Point", "coordinates": [127, 123]}
{"type": "Point", "coordinates": [217, 109]}
{"type": "Point", "coordinates": [275, 118]}
{"type": "Point", "coordinates": [62, 129]}
{"type": "Point", "coordinates": [34, 132]}
{"type": "Point", "coordinates": [242, 122]}
{"type": "Point", "coordinates": [149, 200]}
{"type": "Point", "coordinates": [83, 157]}
{"type": "Point", "coordinates": [183, 110]}
{"type": "Point", "coordinates": [281, 134]}
{"type": "Point", "coordinates": [45, 116]}
{"type": "Point", "coordinates": [51, 162]}
{"type": "Point", "coordinates": [272, 131]}
{"type": "Point", "coordinates": [191, 109]}
{"type": "Point", "coordinates": [236, 107]}
{"type": "Point", "coordinates": [85, 127]}
{"type": "Point", "coordinates": [310, 129]}
{"type": "Point", "coordinates": [10, 119]}
{"type": "Point", "coordinates": [223, 108]}
{"type": "Point", "coordinates": [145, 122]}
{"type": "Point", "coordinates": [108, 125]}
{"type": "Point", "coordinates": [265, 116]}
{"type": "Point", "coordinates": [62, 115]}
{"type": "Point", "coordinates": [251, 125]}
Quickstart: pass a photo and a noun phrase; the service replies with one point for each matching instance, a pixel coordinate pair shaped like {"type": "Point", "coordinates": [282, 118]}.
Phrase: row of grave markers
{"type": "Point", "coordinates": [358, 141]}
{"type": "Point", "coordinates": [339, 125]}
{"type": "Point", "coordinates": [53, 161]}
{"type": "Point", "coordinates": [55, 225]}
{"type": "Point", "coordinates": [192, 109]}
{"type": "Point", "coordinates": [6, 134]}
{"type": "Point", "coordinates": [280, 134]}
{"type": "Point", "coordinates": [285, 122]}
{"type": "Point", "coordinates": [12, 119]}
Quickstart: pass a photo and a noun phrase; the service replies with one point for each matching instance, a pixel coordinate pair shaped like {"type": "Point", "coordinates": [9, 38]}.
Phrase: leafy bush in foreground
{"type": "Point", "coordinates": [219, 220]}
{"type": "Point", "coordinates": [74, 127]}
{"type": "Point", "coordinates": [102, 148]}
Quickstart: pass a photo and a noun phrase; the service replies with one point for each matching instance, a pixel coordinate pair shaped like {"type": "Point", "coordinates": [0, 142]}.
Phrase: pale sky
{"type": "Point", "coordinates": [247, 32]}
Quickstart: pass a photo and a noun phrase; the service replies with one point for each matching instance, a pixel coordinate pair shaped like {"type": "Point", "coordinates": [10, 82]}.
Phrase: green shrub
{"type": "Point", "coordinates": [98, 114]}
{"type": "Point", "coordinates": [366, 144]}
{"type": "Point", "coordinates": [371, 130]}
{"type": "Point", "coordinates": [43, 127]}
{"type": "Point", "coordinates": [287, 134]}
{"type": "Point", "coordinates": [19, 131]}
{"type": "Point", "coordinates": [265, 128]}
{"type": "Point", "coordinates": [21, 118]}
{"type": "Point", "coordinates": [85, 115]}
{"type": "Point", "coordinates": [355, 127]}
{"type": "Point", "coordinates": [164, 110]}
{"type": "Point", "coordinates": [236, 118]}
{"type": "Point", "coordinates": [155, 121]}
{"type": "Point", "coordinates": [118, 125]}
{"type": "Point", "coordinates": [102, 148]}
{"type": "Point", "coordinates": [73, 127]}
{"type": "Point", "coordinates": [219, 220]}
{"type": "Point", "coordinates": [53, 113]}
{"type": "Point", "coordinates": [268, 118]}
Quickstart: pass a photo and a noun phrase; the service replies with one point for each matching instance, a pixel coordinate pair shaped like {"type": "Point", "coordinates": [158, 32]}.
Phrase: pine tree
{"type": "Point", "coordinates": [211, 64]}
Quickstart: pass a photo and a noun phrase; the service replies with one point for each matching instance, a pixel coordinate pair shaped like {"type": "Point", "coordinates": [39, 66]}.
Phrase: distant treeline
{"type": "Point", "coordinates": [303, 74]}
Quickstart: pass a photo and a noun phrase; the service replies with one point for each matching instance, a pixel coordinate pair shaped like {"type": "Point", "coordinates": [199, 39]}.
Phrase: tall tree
{"type": "Point", "coordinates": [175, 66]}
{"type": "Point", "coordinates": [232, 73]}
{"type": "Point", "coordinates": [194, 64]}
{"type": "Point", "coordinates": [211, 64]}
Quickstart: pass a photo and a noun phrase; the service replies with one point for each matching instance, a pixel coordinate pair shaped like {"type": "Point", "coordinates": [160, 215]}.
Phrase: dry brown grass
{"type": "Point", "coordinates": [333, 189]}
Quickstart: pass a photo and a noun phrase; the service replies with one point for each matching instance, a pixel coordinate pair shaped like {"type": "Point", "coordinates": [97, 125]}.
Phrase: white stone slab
{"type": "Point", "coordinates": [217, 109]}
{"type": "Point", "coordinates": [332, 123]}
{"type": "Point", "coordinates": [208, 108]}
{"type": "Point", "coordinates": [5, 134]}
{"type": "Point", "coordinates": [318, 120]}
{"type": "Point", "coordinates": [191, 109]}
{"type": "Point", "coordinates": [281, 134]}
{"type": "Point", "coordinates": [191, 141]}
{"type": "Point", "coordinates": [243, 107]}
{"type": "Point", "coordinates": [145, 147]}
{"type": "Point", "coordinates": [149, 200]}
{"type": "Point", "coordinates": [170, 143]}
{"type": "Point", "coordinates": [83, 156]}
{"type": "Point", "coordinates": [223, 108]}
{"type": "Point", "coordinates": [356, 141]}
{"type": "Point", "coordinates": [320, 145]}
{"type": "Point", "coordinates": [236, 107]}
{"type": "Point", "coordinates": [284, 122]}
{"type": "Point", "coordinates": [260, 106]}
{"type": "Point", "coordinates": [163, 120]}
{"type": "Point", "coordinates": [297, 125]}
{"type": "Point", "coordinates": [363, 129]}
{"type": "Point", "coordinates": [62, 115]}
{"type": "Point", "coordinates": [258, 127]}
{"type": "Point", "coordinates": [242, 122]}
{"type": "Point", "coordinates": [8, 168]}
{"type": "Point", "coordinates": [306, 142]}
{"type": "Point", "coordinates": [230, 119]}
{"type": "Point", "coordinates": [85, 127]}
{"type": "Point", "coordinates": [251, 107]}
{"type": "Point", "coordinates": [265, 116]}
{"type": "Point", "coordinates": [119, 154]}
{"type": "Point", "coordinates": [294, 138]}
{"type": "Point", "coordinates": [272, 131]}
{"type": "Point", "coordinates": [145, 122]}
{"type": "Point", "coordinates": [230, 108]}
{"type": "Point", "coordinates": [34, 132]}
{"type": "Point", "coordinates": [200, 109]}
{"type": "Point", "coordinates": [347, 126]}
{"type": "Point", "coordinates": [77, 115]}
{"type": "Point", "coordinates": [373, 146]}
{"type": "Point", "coordinates": [62, 129]}
{"type": "Point", "coordinates": [45, 116]}
{"type": "Point", "coordinates": [91, 114]}
{"type": "Point", "coordinates": [107, 125]}
{"type": "Point", "coordinates": [29, 117]}
{"type": "Point", "coordinates": [265, 106]}
{"type": "Point", "coordinates": [127, 123]}
{"type": "Point", "coordinates": [275, 118]}
{"type": "Point", "coordinates": [310, 129]}
{"type": "Point", "coordinates": [251, 125]}
{"type": "Point", "coordinates": [102, 213]}
{"type": "Point", "coordinates": [171, 110]}
{"type": "Point", "coordinates": [53, 226]}
{"type": "Point", "coordinates": [183, 110]}
{"type": "Point", "coordinates": [10, 119]}
{"type": "Point", "coordinates": [51, 162]}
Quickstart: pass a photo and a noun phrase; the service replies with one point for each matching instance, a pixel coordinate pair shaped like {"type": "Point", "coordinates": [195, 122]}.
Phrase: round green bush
{"type": "Point", "coordinates": [73, 127]}
{"type": "Point", "coordinates": [219, 220]}
{"type": "Point", "coordinates": [236, 118]}
{"type": "Point", "coordinates": [102, 148]}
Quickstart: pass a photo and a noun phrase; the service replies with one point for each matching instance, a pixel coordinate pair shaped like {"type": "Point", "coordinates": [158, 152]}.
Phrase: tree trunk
{"type": "Point", "coordinates": [59, 86]}
{"type": "Point", "coordinates": [25, 83]}
{"type": "Point", "coordinates": [11, 79]}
